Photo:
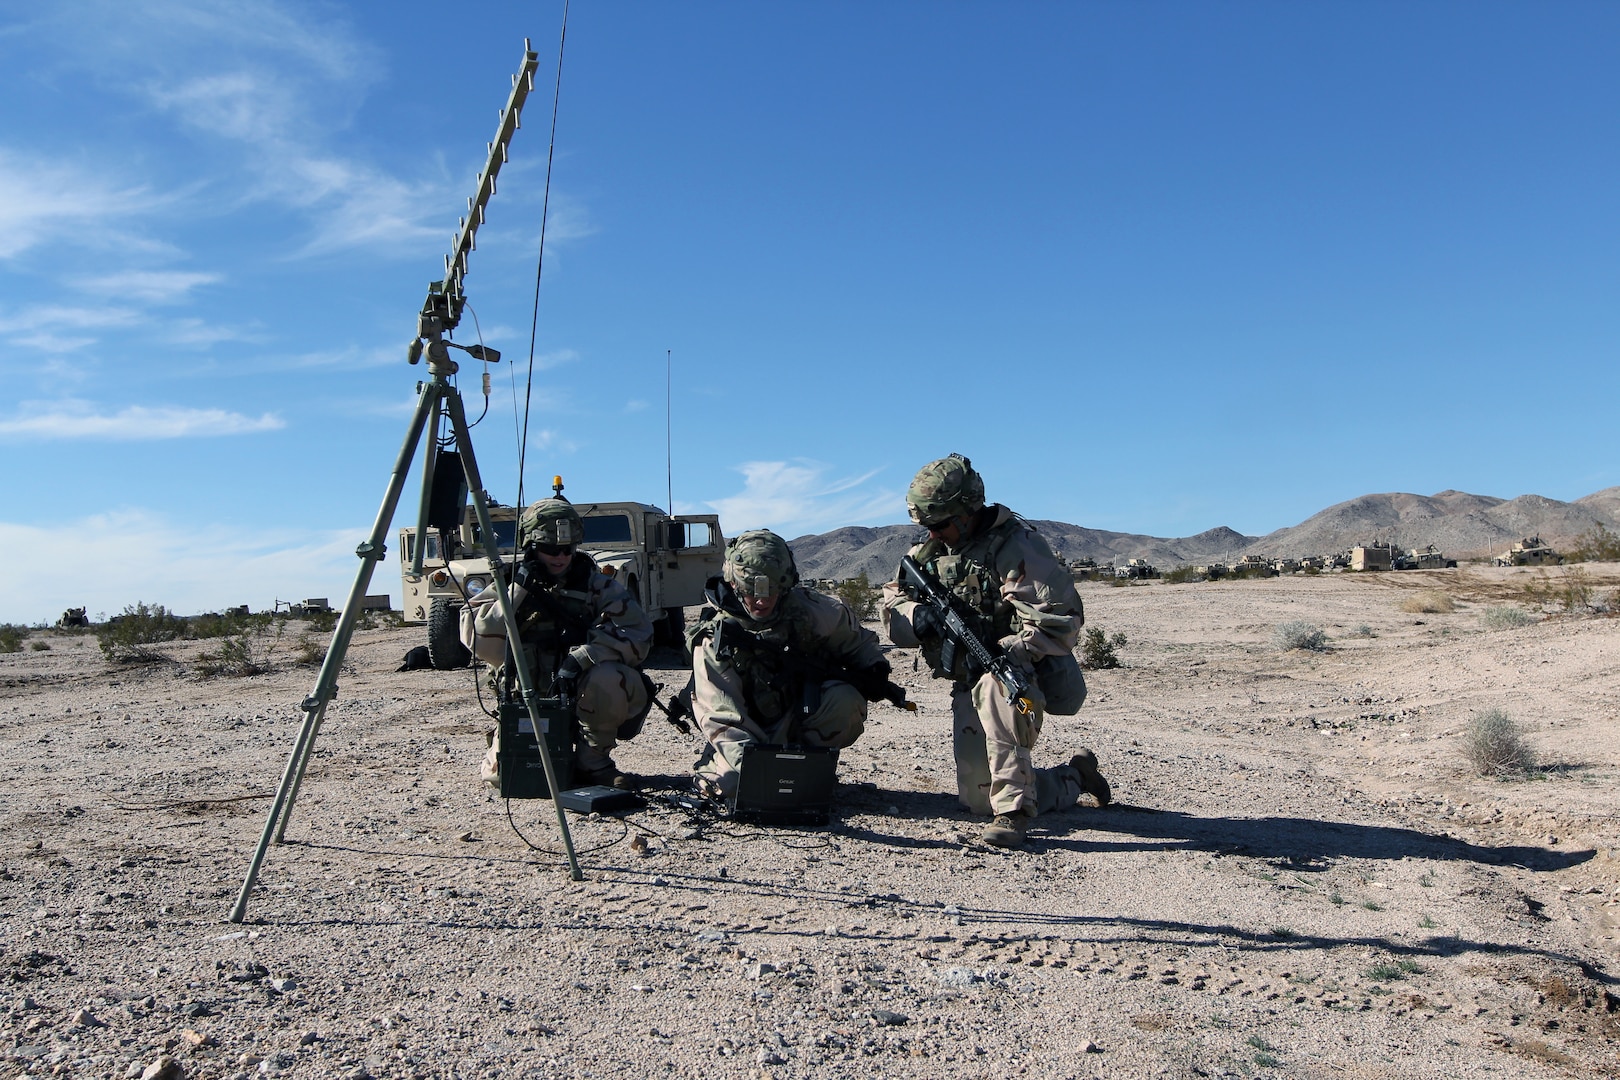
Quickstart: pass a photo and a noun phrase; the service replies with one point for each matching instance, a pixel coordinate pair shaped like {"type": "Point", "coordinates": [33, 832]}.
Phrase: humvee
{"type": "Point", "coordinates": [1529, 552]}
{"type": "Point", "coordinates": [664, 561]}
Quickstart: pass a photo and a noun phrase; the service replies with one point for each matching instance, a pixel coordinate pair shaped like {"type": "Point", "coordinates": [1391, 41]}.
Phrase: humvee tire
{"type": "Point", "coordinates": [444, 636]}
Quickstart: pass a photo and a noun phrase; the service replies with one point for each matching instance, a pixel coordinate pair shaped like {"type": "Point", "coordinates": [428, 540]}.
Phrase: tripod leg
{"type": "Point", "coordinates": [429, 458]}
{"type": "Point", "coordinates": [314, 706]}
{"type": "Point", "coordinates": [475, 484]}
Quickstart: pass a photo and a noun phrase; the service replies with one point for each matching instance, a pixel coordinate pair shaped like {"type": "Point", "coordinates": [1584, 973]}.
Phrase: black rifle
{"type": "Point", "coordinates": [873, 684]}
{"type": "Point", "coordinates": [958, 634]}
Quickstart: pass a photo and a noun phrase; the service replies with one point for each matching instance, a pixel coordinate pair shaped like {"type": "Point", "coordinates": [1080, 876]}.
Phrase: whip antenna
{"type": "Point", "coordinates": [669, 459]}
{"type": "Point", "coordinates": [540, 265]}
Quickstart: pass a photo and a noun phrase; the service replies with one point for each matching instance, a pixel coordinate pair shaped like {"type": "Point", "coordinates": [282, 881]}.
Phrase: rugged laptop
{"type": "Point", "coordinates": [786, 785]}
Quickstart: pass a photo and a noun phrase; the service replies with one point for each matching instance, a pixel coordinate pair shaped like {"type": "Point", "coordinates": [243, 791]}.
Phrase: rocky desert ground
{"type": "Point", "coordinates": [1301, 874]}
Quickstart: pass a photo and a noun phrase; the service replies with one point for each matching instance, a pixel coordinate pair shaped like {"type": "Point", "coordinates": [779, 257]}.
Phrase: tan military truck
{"type": "Point", "coordinates": [1529, 552]}
{"type": "Point", "coordinates": [663, 560]}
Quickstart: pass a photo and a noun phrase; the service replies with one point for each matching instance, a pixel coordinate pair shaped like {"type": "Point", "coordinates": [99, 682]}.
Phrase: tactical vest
{"type": "Point", "coordinates": [555, 616]}
{"type": "Point", "coordinates": [970, 575]}
{"type": "Point", "coordinates": [772, 664]}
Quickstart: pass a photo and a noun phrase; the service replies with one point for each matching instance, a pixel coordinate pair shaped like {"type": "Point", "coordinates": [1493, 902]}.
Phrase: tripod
{"type": "Point", "coordinates": [437, 398]}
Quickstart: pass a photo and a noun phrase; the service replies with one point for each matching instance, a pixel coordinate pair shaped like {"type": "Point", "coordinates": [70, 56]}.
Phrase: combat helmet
{"type": "Point", "coordinates": [551, 521]}
{"type": "Point", "coordinates": [946, 488]}
{"type": "Point", "coordinates": [759, 563]}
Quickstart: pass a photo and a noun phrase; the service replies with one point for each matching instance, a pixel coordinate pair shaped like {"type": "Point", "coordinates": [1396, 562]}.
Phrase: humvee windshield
{"type": "Point", "coordinates": [607, 529]}
{"type": "Point", "coordinates": [505, 536]}
{"type": "Point", "coordinates": [430, 552]}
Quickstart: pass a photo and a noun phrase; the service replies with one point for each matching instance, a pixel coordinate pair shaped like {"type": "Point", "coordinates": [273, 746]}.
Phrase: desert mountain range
{"type": "Point", "coordinates": [1459, 524]}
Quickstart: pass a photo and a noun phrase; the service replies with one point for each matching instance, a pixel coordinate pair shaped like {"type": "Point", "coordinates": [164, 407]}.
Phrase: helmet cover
{"type": "Point", "coordinates": [551, 521]}
{"type": "Point", "coordinates": [945, 488]}
{"type": "Point", "coordinates": [759, 563]}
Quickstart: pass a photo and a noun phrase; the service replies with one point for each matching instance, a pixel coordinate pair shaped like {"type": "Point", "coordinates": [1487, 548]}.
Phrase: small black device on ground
{"type": "Point", "coordinates": [600, 799]}
{"type": "Point", "coordinates": [517, 760]}
{"type": "Point", "coordinates": [785, 785]}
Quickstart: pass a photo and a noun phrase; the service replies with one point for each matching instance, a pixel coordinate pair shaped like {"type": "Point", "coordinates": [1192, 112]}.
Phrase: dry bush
{"type": "Point", "coordinates": [132, 637]}
{"type": "Point", "coordinates": [1428, 602]}
{"type": "Point", "coordinates": [237, 656]}
{"type": "Point", "coordinates": [1495, 745]}
{"type": "Point", "coordinates": [1097, 648]}
{"type": "Point", "coordinates": [1297, 634]}
{"type": "Point", "coordinates": [11, 637]}
{"type": "Point", "coordinates": [1596, 544]}
{"type": "Point", "coordinates": [309, 651]}
{"type": "Point", "coordinates": [860, 595]}
{"type": "Point", "coordinates": [1505, 617]}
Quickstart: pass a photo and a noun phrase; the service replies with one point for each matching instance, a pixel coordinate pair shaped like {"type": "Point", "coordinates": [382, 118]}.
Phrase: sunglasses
{"type": "Point", "coordinates": [938, 526]}
{"type": "Point", "coordinates": [554, 549]}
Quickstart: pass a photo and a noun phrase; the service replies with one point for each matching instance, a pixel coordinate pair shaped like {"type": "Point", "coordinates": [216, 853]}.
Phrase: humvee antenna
{"type": "Point", "coordinates": [436, 397]}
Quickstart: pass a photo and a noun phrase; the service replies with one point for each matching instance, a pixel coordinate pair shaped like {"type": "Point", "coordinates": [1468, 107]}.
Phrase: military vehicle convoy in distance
{"type": "Point", "coordinates": [663, 560]}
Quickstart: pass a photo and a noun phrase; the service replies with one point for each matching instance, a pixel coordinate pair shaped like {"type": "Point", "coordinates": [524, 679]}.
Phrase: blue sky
{"type": "Point", "coordinates": [1155, 267]}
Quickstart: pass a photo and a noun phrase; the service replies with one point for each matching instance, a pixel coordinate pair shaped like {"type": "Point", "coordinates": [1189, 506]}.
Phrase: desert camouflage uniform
{"type": "Point", "coordinates": [594, 619]}
{"type": "Point", "coordinates": [1026, 600]}
{"type": "Point", "coordinates": [743, 695]}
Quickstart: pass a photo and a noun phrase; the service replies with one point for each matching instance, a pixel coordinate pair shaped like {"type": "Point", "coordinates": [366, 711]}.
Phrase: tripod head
{"type": "Point", "coordinates": [441, 311]}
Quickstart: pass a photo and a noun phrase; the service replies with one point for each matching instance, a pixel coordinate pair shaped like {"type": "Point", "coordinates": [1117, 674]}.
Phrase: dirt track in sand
{"type": "Point", "coordinates": [1299, 877]}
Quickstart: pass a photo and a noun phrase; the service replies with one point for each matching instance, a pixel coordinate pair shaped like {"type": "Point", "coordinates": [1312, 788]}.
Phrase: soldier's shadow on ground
{"type": "Point", "coordinates": [1299, 844]}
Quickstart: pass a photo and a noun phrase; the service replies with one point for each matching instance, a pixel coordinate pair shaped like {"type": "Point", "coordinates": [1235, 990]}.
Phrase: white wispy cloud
{"type": "Point", "coordinates": [150, 286]}
{"type": "Point", "coordinates": [82, 420]}
{"type": "Point", "coordinates": [188, 568]}
{"type": "Point", "coordinates": [44, 201]}
{"type": "Point", "coordinates": [796, 497]}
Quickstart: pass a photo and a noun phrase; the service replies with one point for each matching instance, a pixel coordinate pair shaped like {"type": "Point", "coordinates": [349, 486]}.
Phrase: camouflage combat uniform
{"type": "Point", "coordinates": [764, 681]}
{"type": "Point", "coordinates": [592, 618]}
{"type": "Point", "coordinates": [1025, 601]}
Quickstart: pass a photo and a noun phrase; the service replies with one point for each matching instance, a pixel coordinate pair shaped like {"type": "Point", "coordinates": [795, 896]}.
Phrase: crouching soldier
{"type": "Point", "coordinates": [1022, 606]}
{"type": "Point", "coordinates": [776, 664]}
{"type": "Point", "coordinates": [582, 632]}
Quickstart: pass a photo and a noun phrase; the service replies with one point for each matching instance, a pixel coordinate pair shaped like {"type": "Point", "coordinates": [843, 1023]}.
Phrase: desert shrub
{"type": "Point", "coordinates": [133, 637]}
{"type": "Point", "coordinates": [1181, 575]}
{"type": "Point", "coordinates": [1097, 648]}
{"type": "Point", "coordinates": [11, 637]}
{"type": "Point", "coordinates": [230, 624]}
{"type": "Point", "coordinates": [1495, 745]}
{"type": "Point", "coordinates": [1571, 590]}
{"type": "Point", "coordinates": [1428, 602]}
{"type": "Point", "coordinates": [1297, 634]}
{"type": "Point", "coordinates": [309, 651]}
{"type": "Point", "coordinates": [1363, 631]}
{"type": "Point", "coordinates": [236, 656]}
{"type": "Point", "coordinates": [1505, 617]}
{"type": "Point", "coordinates": [1597, 544]}
{"type": "Point", "coordinates": [40, 646]}
{"type": "Point", "coordinates": [322, 622]}
{"type": "Point", "coordinates": [859, 594]}
{"type": "Point", "coordinates": [1574, 591]}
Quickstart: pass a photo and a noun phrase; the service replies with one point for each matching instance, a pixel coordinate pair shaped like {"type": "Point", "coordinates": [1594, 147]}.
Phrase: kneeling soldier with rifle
{"type": "Point", "coordinates": [777, 664]}
{"type": "Point", "coordinates": [586, 637]}
{"type": "Point", "coordinates": [995, 612]}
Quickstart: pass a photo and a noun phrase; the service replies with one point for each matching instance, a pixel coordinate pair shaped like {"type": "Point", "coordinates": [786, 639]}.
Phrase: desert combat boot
{"type": "Point", "coordinates": [1007, 831]}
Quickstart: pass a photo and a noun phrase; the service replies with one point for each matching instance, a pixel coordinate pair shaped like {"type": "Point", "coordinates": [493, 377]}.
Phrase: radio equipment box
{"type": "Point", "coordinates": [517, 760]}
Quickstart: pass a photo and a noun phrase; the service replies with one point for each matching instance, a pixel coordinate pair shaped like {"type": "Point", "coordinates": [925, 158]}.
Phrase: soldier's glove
{"type": "Point", "coordinates": [568, 674]}
{"type": "Point", "coordinates": [926, 623]}
{"type": "Point", "coordinates": [873, 681]}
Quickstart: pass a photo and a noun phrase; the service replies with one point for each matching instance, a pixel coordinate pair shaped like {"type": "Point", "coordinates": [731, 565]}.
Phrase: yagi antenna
{"type": "Point", "coordinates": [442, 309]}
